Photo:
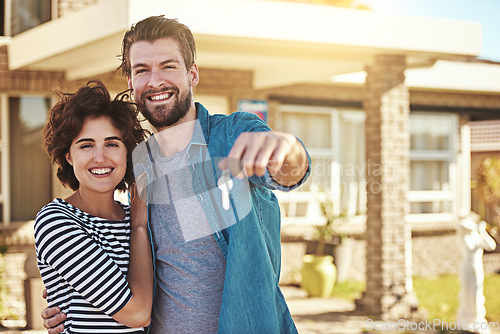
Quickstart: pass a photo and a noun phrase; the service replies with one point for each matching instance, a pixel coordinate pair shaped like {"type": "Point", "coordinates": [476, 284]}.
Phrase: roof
{"type": "Point", "coordinates": [281, 42]}
{"type": "Point", "coordinates": [476, 75]}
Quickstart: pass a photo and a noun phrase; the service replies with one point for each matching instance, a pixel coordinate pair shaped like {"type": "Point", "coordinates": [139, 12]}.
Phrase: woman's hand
{"type": "Point", "coordinates": [138, 208]}
{"type": "Point", "coordinates": [137, 312]}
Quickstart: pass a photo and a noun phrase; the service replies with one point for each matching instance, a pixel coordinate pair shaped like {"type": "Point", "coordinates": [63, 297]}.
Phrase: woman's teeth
{"type": "Point", "coordinates": [101, 171]}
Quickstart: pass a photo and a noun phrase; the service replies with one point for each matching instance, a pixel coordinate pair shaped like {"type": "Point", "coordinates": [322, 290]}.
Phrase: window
{"type": "Point", "coordinates": [20, 15]}
{"type": "Point", "coordinates": [29, 177]}
{"type": "Point", "coordinates": [2, 18]}
{"type": "Point", "coordinates": [335, 140]}
{"type": "Point", "coordinates": [433, 152]}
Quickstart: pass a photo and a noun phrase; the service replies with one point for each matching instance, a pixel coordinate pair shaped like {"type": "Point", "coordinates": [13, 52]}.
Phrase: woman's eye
{"type": "Point", "coordinates": [85, 146]}
{"type": "Point", "coordinates": [112, 145]}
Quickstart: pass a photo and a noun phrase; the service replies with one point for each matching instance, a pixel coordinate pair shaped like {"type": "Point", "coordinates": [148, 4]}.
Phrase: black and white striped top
{"type": "Point", "coordinates": [83, 261]}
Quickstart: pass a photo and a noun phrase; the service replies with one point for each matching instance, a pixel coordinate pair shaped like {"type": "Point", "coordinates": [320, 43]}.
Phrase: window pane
{"type": "Point", "coordinates": [27, 14]}
{"type": "Point", "coordinates": [321, 174]}
{"type": "Point", "coordinates": [352, 161]}
{"type": "Point", "coordinates": [352, 146]}
{"type": "Point", "coordinates": [30, 172]}
{"type": "Point", "coordinates": [313, 129]}
{"type": "Point", "coordinates": [431, 207]}
{"type": "Point", "coordinates": [2, 17]}
{"type": "Point", "coordinates": [429, 175]}
{"type": "Point", "coordinates": [432, 138]}
{"type": "Point", "coordinates": [431, 132]}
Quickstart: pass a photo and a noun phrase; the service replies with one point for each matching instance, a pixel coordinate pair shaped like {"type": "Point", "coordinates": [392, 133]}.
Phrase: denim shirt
{"type": "Point", "coordinates": [248, 234]}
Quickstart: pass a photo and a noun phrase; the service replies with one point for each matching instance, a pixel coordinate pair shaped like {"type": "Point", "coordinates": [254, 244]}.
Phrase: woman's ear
{"type": "Point", "coordinates": [68, 159]}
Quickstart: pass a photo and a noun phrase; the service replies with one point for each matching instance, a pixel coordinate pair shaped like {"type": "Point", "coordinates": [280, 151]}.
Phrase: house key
{"type": "Point", "coordinates": [225, 184]}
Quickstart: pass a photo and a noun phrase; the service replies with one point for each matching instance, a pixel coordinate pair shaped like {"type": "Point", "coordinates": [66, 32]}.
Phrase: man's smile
{"type": "Point", "coordinates": [160, 96]}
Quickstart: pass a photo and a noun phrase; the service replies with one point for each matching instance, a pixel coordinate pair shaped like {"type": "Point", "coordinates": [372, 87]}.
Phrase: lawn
{"type": "Point", "coordinates": [349, 290]}
{"type": "Point", "coordinates": [437, 296]}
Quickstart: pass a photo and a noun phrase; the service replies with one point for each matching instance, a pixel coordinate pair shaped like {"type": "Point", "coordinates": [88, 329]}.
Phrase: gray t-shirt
{"type": "Point", "coordinates": [190, 267]}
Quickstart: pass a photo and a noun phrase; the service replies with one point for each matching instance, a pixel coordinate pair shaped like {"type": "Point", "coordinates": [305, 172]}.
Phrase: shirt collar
{"type": "Point", "coordinates": [203, 123]}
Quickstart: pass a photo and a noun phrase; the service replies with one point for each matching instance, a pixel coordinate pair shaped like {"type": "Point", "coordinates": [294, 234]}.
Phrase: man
{"type": "Point", "coordinates": [216, 237]}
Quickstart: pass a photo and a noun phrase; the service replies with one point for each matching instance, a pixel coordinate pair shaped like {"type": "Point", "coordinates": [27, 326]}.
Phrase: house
{"type": "Point", "coordinates": [383, 103]}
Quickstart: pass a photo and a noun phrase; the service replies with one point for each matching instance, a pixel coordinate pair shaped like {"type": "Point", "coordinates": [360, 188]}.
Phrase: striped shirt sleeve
{"type": "Point", "coordinates": [65, 246]}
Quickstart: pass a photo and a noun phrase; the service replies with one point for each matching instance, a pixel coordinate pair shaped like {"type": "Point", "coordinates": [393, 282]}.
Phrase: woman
{"type": "Point", "coordinates": [83, 241]}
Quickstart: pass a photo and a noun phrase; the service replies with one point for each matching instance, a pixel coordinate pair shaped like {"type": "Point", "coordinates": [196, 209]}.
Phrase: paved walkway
{"type": "Point", "coordinates": [319, 316]}
{"type": "Point", "coordinates": [323, 315]}
{"type": "Point", "coordinates": [311, 315]}
{"type": "Point", "coordinates": [333, 315]}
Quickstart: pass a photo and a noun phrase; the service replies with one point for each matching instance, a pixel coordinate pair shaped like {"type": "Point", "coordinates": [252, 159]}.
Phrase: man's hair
{"type": "Point", "coordinates": [156, 27]}
{"type": "Point", "coordinates": [66, 119]}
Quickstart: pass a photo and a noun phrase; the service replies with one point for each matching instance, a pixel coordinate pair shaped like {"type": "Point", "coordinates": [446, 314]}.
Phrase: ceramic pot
{"type": "Point", "coordinates": [318, 275]}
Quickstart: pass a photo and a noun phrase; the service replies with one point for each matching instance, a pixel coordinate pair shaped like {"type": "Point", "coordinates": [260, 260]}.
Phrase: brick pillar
{"type": "Point", "coordinates": [387, 107]}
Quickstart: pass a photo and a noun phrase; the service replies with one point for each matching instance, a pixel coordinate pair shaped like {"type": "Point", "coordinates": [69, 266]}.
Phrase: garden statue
{"type": "Point", "coordinates": [474, 240]}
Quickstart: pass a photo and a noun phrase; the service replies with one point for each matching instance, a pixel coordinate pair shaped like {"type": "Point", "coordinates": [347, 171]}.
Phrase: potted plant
{"type": "Point", "coordinates": [334, 234]}
{"type": "Point", "coordinates": [319, 273]}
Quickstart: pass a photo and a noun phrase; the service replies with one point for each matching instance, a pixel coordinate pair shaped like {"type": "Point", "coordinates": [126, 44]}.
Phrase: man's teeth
{"type": "Point", "coordinates": [101, 171]}
{"type": "Point", "coordinates": [160, 97]}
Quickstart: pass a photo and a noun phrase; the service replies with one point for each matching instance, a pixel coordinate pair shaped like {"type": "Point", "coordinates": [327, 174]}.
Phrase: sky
{"type": "Point", "coordinates": [486, 12]}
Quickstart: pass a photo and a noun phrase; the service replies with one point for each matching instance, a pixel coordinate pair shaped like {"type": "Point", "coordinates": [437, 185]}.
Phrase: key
{"type": "Point", "coordinates": [225, 184]}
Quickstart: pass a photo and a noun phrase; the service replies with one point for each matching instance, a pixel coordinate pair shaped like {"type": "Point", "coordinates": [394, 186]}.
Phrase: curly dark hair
{"type": "Point", "coordinates": [66, 119]}
{"type": "Point", "coordinates": [156, 27]}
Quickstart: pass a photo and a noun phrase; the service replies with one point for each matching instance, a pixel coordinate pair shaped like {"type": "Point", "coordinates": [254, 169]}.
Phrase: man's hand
{"type": "Point", "coordinates": [52, 318]}
{"type": "Point", "coordinates": [255, 152]}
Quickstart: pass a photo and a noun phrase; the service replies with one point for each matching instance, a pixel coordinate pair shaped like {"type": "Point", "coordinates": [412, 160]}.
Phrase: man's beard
{"type": "Point", "coordinates": [161, 116]}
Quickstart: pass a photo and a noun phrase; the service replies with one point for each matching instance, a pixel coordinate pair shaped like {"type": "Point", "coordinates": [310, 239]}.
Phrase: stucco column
{"type": "Point", "coordinates": [387, 107]}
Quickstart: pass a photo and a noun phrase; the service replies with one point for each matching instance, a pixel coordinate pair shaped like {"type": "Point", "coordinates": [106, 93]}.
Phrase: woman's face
{"type": "Point", "coordinates": [98, 156]}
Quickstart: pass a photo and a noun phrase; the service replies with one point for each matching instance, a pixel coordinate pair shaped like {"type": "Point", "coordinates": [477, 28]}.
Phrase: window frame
{"type": "Point", "coordinates": [7, 15]}
{"type": "Point", "coordinates": [313, 212]}
{"type": "Point", "coordinates": [449, 156]}
{"type": "Point", "coordinates": [5, 156]}
{"type": "Point", "coordinates": [5, 148]}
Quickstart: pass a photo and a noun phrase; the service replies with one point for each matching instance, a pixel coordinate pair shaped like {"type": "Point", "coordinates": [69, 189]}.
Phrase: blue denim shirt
{"type": "Point", "coordinates": [248, 235]}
